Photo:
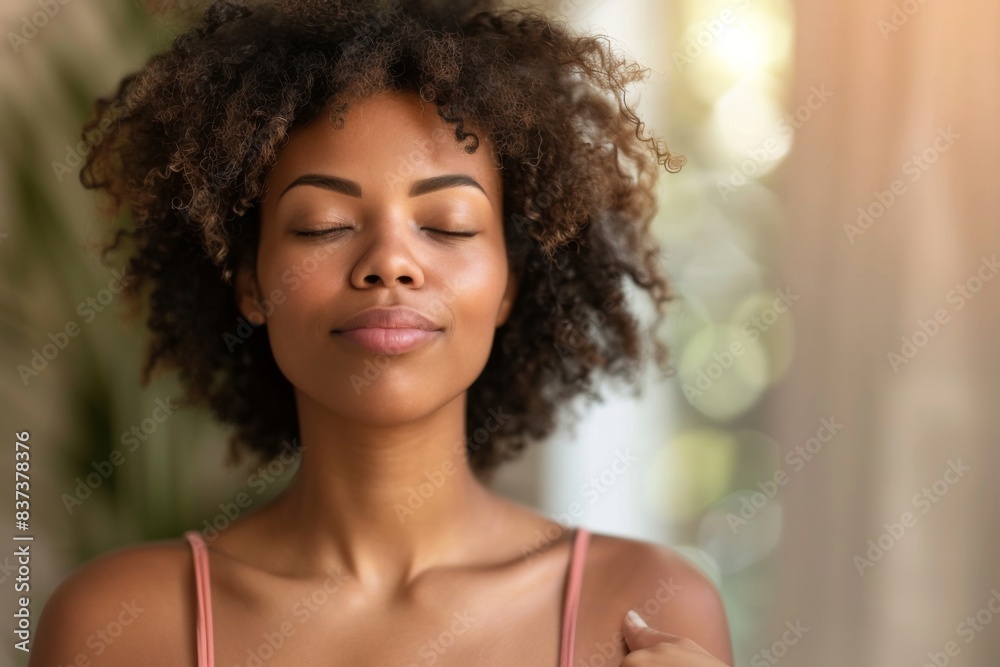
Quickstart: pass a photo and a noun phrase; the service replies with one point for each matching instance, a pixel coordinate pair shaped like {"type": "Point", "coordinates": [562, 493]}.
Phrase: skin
{"type": "Point", "coordinates": [333, 563]}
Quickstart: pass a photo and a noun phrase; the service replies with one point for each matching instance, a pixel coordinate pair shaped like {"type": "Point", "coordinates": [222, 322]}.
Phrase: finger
{"type": "Point", "coordinates": [639, 636]}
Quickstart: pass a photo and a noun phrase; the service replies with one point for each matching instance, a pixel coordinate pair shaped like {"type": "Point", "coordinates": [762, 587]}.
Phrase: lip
{"type": "Point", "coordinates": [388, 341]}
{"type": "Point", "coordinates": [393, 330]}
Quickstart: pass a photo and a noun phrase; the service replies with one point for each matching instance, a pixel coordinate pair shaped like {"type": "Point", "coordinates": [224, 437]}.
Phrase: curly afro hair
{"type": "Point", "coordinates": [185, 143]}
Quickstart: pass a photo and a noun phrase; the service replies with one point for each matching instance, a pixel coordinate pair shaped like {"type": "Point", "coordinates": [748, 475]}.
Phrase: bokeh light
{"type": "Point", "coordinates": [723, 371]}
{"type": "Point", "coordinates": [691, 472]}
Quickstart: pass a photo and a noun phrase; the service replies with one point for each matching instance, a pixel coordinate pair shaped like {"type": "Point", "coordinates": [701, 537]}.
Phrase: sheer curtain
{"type": "Point", "coordinates": [891, 550]}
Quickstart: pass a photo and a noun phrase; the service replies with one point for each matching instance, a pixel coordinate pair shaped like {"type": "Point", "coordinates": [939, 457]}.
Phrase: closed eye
{"type": "Point", "coordinates": [319, 232]}
{"type": "Point", "coordinates": [462, 233]}
{"type": "Point", "coordinates": [333, 230]}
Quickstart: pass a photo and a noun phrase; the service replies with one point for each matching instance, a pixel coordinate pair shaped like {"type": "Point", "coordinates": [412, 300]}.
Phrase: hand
{"type": "Point", "coordinates": [651, 648]}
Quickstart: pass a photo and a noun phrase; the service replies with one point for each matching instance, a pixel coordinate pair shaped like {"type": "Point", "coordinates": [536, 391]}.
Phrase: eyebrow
{"type": "Point", "coordinates": [352, 189]}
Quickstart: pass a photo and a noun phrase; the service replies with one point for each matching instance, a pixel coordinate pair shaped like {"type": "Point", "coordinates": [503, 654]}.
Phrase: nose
{"type": "Point", "coordinates": [387, 259]}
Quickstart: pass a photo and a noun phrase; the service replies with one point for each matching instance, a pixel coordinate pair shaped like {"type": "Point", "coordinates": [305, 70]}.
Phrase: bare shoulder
{"type": "Point", "coordinates": [667, 589]}
{"type": "Point", "coordinates": [134, 605]}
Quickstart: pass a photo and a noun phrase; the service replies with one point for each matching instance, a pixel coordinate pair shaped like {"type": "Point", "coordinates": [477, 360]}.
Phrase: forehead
{"type": "Point", "coordinates": [385, 142]}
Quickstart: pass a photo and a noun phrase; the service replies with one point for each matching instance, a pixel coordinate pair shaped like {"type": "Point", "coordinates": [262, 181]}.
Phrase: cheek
{"type": "Point", "coordinates": [477, 295]}
{"type": "Point", "coordinates": [304, 310]}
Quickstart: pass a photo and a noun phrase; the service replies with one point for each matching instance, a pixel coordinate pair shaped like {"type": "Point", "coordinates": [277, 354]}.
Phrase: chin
{"type": "Point", "coordinates": [383, 401]}
{"type": "Point", "coordinates": [385, 411]}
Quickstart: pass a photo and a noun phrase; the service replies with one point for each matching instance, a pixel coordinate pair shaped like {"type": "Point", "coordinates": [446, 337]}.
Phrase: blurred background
{"type": "Point", "coordinates": [827, 449]}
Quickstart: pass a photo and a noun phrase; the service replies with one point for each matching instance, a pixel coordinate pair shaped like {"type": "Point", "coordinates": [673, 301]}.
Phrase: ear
{"type": "Point", "coordinates": [247, 293]}
{"type": "Point", "coordinates": [509, 297]}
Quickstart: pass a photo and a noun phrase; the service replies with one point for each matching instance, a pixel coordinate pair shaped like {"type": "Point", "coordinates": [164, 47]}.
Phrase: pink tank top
{"type": "Point", "coordinates": [571, 603]}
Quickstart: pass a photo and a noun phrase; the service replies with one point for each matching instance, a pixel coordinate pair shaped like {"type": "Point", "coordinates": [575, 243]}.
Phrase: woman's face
{"type": "Point", "coordinates": [394, 182]}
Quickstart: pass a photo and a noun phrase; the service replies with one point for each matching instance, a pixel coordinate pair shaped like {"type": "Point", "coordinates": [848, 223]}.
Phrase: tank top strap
{"type": "Point", "coordinates": [574, 581]}
{"type": "Point", "coordinates": [199, 551]}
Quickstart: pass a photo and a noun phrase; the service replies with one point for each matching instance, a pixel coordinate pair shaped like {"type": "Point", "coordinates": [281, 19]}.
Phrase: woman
{"type": "Point", "coordinates": [389, 243]}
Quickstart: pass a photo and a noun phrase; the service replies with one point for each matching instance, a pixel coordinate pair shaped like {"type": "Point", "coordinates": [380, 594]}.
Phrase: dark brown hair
{"type": "Point", "coordinates": [185, 144]}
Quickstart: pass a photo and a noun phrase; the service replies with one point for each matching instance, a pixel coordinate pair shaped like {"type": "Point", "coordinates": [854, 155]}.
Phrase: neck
{"type": "Point", "coordinates": [382, 501]}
